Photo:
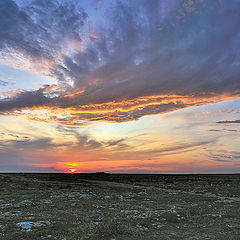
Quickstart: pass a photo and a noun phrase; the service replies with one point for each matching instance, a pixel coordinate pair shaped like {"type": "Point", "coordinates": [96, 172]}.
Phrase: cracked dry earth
{"type": "Point", "coordinates": [108, 206]}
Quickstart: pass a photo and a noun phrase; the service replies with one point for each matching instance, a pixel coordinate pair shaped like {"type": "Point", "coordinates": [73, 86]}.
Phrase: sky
{"type": "Point", "coordinates": [140, 86]}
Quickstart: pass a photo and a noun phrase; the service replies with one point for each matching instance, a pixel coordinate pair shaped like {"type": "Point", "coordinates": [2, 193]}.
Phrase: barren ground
{"type": "Point", "coordinates": [111, 206]}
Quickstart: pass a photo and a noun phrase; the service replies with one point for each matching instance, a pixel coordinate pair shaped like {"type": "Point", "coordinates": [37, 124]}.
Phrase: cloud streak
{"type": "Point", "coordinates": [229, 122]}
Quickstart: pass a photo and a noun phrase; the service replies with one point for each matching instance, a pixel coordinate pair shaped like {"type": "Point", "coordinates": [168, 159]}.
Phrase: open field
{"type": "Point", "coordinates": [108, 206]}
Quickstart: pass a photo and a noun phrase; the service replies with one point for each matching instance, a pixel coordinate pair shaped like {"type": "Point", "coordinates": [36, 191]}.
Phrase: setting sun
{"type": "Point", "coordinates": [72, 170]}
{"type": "Point", "coordinates": [72, 167]}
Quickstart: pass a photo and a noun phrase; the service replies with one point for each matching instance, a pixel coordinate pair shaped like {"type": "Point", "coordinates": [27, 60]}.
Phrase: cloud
{"type": "Point", "coordinates": [14, 136]}
{"type": "Point", "coordinates": [178, 148]}
{"type": "Point", "coordinates": [87, 142]}
{"type": "Point", "coordinates": [14, 162]}
{"type": "Point", "coordinates": [41, 143]}
{"type": "Point", "coordinates": [3, 83]}
{"type": "Point", "coordinates": [145, 57]}
{"type": "Point", "coordinates": [225, 156]}
{"type": "Point", "coordinates": [37, 29]}
{"type": "Point", "coordinates": [223, 130]}
{"type": "Point", "coordinates": [115, 142]}
{"type": "Point", "coordinates": [21, 100]}
{"type": "Point", "coordinates": [29, 144]}
{"type": "Point", "coordinates": [228, 122]}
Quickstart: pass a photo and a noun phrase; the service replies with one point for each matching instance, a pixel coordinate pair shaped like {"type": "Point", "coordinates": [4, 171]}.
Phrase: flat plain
{"type": "Point", "coordinates": [119, 206]}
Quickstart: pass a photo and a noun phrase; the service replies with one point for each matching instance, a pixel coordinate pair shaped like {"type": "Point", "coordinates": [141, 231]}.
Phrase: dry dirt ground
{"type": "Point", "coordinates": [106, 206]}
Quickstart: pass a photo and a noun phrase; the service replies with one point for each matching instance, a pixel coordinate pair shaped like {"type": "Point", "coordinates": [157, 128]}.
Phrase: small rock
{"type": "Point", "coordinates": [24, 203]}
{"type": "Point", "coordinates": [121, 198]}
{"type": "Point", "coordinates": [129, 211]}
{"type": "Point", "coordinates": [28, 225]}
{"type": "Point", "coordinates": [108, 197]}
{"type": "Point", "coordinates": [9, 214]}
{"type": "Point", "coordinates": [142, 193]}
{"type": "Point", "coordinates": [71, 195]}
{"type": "Point", "coordinates": [25, 225]}
{"type": "Point", "coordinates": [6, 205]}
{"type": "Point", "coordinates": [172, 216]}
{"type": "Point", "coordinates": [85, 195]}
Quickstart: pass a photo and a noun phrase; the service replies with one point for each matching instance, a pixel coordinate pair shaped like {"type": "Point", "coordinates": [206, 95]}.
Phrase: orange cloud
{"type": "Point", "coordinates": [76, 44]}
{"type": "Point", "coordinates": [94, 36]}
{"type": "Point", "coordinates": [78, 114]}
{"type": "Point", "coordinates": [75, 93]}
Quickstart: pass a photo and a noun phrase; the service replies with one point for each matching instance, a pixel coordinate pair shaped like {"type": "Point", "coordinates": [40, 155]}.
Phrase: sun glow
{"type": "Point", "coordinates": [72, 167]}
{"type": "Point", "coordinates": [72, 170]}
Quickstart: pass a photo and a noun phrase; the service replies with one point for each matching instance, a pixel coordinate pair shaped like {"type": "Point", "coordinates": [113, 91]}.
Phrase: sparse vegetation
{"type": "Point", "coordinates": [106, 206]}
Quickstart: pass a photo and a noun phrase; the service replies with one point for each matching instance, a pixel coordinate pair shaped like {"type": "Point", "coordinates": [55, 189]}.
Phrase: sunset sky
{"type": "Point", "coordinates": [140, 86]}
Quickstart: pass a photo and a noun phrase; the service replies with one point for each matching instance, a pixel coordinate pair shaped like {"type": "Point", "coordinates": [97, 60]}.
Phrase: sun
{"type": "Point", "coordinates": [72, 170]}
{"type": "Point", "coordinates": [70, 167]}
{"type": "Point", "coordinates": [73, 167]}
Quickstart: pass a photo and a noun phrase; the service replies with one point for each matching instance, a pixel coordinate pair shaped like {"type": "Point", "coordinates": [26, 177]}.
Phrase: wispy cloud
{"type": "Point", "coordinates": [225, 156]}
{"type": "Point", "coordinates": [3, 83]}
{"type": "Point", "coordinates": [228, 122]}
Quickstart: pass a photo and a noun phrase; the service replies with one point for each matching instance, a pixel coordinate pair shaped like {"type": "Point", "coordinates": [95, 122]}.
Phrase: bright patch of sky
{"type": "Point", "coordinates": [21, 79]}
